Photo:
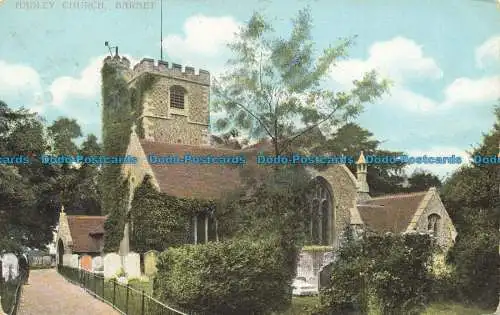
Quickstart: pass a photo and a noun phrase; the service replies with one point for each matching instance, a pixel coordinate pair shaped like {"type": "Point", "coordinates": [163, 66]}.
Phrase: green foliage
{"type": "Point", "coordinates": [231, 277]}
{"type": "Point", "coordinates": [423, 180]}
{"type": "Point", "coordinates": [389, 273]}
{"type": "Point", "coordinates": [471, 197]}
{"type": "Point", "coordinates": [63, 131]}
{"type": "Point", "coordinates": [142, 85]}
{"type": "Point", "coordinates": [122, 108]}
{"type": "Point", "coordinates": [161, 221]}
{"type": "Point", "coordinates": [274, 82]}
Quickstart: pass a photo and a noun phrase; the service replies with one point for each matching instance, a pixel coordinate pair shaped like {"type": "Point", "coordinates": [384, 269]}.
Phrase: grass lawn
{"type": "Point", "coordinates": [301, 304]}
{"type": "Point", "coordinates": [454, 308]}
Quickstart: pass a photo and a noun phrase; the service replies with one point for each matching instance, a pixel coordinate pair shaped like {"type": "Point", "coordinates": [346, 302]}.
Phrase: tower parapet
{"type": "Point", "coordinates": [175, 71]}
{"type": "Point", "coordinates": [121, 63]}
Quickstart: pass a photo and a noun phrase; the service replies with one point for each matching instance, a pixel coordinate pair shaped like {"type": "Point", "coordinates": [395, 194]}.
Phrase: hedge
{"type": "Point", "coordinates": [387, 273]}
{"type": "Point", "coordinates": [231, 277]}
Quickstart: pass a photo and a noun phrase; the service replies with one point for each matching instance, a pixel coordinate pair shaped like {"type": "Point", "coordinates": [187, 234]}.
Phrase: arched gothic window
{"type": "Point", "coordinates": [321, 214]}
{"type": "Point", "coordinates": [433, 224]}
{"type": "Point", "coordinates": [177, 97]}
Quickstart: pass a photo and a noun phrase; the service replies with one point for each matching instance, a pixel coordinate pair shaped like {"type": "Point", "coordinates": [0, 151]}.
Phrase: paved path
{"type": "Point", "coordinates": [49, 293]}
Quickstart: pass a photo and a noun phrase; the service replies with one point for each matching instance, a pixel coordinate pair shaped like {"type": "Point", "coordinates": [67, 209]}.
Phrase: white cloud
{"type": "Point", "coordinates": [441, 170]}
{"type": "Point", "coordinates": [203, 43]}
{"type": "Point", "coordinates": [466, 90]}
{"type": "Point", "coordinates": [488, 52]}
{"type": "Point", "coordinates": [399, 59]}
{"type": "Point", "coordinates": [18, 78]}
{"type": "Point", "coordinates": [86, 85]}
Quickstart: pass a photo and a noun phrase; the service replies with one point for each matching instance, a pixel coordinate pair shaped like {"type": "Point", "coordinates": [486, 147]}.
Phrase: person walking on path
{"type": "Point", "coordinates": [24, 266]}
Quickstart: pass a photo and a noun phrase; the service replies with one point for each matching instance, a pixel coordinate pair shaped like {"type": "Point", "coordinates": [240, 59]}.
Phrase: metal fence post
{"type": "Point", "coordinates": [126, 302]}
{"type": "Point", "coordinates": [114, 291]}
{"type": "Point", "coordinates": [142, 307]}
{"type": "Point", "coordinates": [103, 287]}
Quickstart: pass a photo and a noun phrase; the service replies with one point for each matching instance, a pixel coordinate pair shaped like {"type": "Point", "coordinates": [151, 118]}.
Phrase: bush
{"type": "Point", "coordinates": [389, 273]}
{"type": "Point", "coordinates": [233, 277]}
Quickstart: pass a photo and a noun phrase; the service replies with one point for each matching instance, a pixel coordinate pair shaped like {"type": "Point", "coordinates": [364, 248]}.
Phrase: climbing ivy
{"type": "Point", "coordinates": [142, 85]}
{"type": "Point", "coordinates": [122, 107]}
{"type": "Point", "coordinates": [161, 221]}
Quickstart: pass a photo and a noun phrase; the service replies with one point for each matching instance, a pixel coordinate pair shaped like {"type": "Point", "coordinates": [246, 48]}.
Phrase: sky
{"type": "Point", "coordinates": [442, 57]}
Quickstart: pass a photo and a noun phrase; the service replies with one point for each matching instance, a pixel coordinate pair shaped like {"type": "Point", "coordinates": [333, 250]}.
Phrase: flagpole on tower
{"type": "Point", "coordinates": [161, 29]}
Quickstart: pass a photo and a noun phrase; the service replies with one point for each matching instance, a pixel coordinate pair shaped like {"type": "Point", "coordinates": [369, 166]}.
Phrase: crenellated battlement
{"type": "Point", "coordinates": [175, 70]}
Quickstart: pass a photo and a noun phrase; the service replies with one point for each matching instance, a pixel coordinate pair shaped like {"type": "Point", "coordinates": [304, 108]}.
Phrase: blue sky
{"type": "Point", "coordinates": [443, 57]}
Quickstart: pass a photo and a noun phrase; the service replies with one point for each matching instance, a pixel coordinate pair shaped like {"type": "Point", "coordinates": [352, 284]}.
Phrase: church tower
{"type": "Point", "coordinates": [174, 105]}
{"type": "Point", "coordinates": [361, 173]}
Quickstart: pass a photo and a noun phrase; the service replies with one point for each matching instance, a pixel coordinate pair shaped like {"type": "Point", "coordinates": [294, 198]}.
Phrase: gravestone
{"type": "Point", "coordinates": [150, 260]}
{"type": "Point", "coordinates": [67, 260]}
{"type": "Point", "coordinates": [133, 265]}
{"type": "Point", "coordinates": [10, 266]}
{"type": "Point", "coordinates": [46, 261]}
{"type": "Point", "coordinates": [112, 263]}
{"type": "Point", "coordinates": [86, 263]}
{"type": "Point", "coordinates": [305, 267]}
{"type": "Point", "coordinates": [97, 264]}
{"type": "Point", "coordinates": [75, 261]}
{"type": "Point", "coordinates": [325, 275]}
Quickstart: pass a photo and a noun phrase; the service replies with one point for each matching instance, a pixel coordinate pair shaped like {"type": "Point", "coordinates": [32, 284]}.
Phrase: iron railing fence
{"type": "Point", "coordinates": [124, 298]}
{"type": "Point", "coordinates": [10, 292]}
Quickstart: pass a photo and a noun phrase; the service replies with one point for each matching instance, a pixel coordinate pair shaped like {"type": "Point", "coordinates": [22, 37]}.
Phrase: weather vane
{"type": "Point", "coordinates": [106, 43]}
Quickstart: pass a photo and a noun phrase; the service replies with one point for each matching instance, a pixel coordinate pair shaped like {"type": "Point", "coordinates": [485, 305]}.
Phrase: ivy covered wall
{"type": "Point", "coordinates": [122, 108]}
{"type": "Point", "coordinates": [161, 221]}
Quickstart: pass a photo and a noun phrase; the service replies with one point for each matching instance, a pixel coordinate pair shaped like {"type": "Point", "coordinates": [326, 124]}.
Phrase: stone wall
{"type": "Point", "coordinates": [446, 230]}
{"type": "Point", "coordinates": [164, 124]}
{"type": "Point", "coordinates": [343, 187]}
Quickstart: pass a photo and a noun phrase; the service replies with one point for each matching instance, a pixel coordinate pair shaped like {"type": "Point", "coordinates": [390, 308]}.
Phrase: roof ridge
{"type": "Point", "coordinates": [87, 216]}
{"type": "Point", "coordinates": [400, 195]}
{"type": "Point", "coordinates": [142, 141]}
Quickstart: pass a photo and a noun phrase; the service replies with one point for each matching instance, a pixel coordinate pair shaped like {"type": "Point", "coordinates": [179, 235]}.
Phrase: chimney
{"type": "Point", "coordinates": [361, 172]}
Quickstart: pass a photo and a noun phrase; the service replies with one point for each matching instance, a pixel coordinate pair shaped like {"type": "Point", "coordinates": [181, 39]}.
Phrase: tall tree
{"type": "Point", "coordinates": [422, 180]}
{"type": "Point", "coordinates": [64, 131]}
{"type": "Point", "coordinates": [472, 199]}
{"type": "Point", "coordinates": [273, 89]}
{"type": "Point", "coordinates": [27, 212]}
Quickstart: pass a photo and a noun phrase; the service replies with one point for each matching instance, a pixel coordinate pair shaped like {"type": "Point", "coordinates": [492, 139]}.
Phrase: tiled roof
{"type": "Point", "coordinates": [391, 213]}
{"type": "Point", "coordinates": [80, 227]}
{"type": "Point", "coordinates": [203, 181]}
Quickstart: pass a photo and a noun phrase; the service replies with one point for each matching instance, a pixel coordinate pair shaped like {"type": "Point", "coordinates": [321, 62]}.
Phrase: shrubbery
{"type": "Point", "coordinates": [232, 277]}
{"type": "Point", "coordinates": [389, 274]}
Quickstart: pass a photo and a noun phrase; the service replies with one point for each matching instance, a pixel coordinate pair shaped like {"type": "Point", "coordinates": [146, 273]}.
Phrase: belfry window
{"type": "Point", "coordinates": [177, 97]}
{"type": "Point", "coordinates": [321, 214]}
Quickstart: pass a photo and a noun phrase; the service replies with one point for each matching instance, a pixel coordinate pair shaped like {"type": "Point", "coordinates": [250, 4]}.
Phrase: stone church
{"type": "Point", "coordinates": [175, 120]}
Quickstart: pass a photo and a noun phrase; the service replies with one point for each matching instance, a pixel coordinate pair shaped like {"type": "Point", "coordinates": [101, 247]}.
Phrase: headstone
{"type": "Point", "coordinates": [74, 262]}
{"type": "Point", "coordinates": [325, 275]}
{"type": "Point", "coordinates": [150, 260]}
{"type": "Point", "coordinates": [67, 260]}
{"type": "Point", "coordinates": [10, 266]}
{"type": "Point", "coordinates": [46, 261]}
{"type": "Point", "coordinates": [86, 263]}
{"type": "Point", "coordinates": [133, 265]}
{"type": "Point", "coordinates": [97, 264]}
{"type": "Point", "coordinates": [305, 267]}
{"type": "Point", "coordinates": [112, 263]}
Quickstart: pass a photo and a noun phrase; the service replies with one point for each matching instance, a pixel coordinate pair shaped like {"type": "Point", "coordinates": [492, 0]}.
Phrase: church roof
{"type": "Point", "coordinates": [203, 181]}
{"type": "Point", "coordinates": [391, 213]}
{"type": "Point", "coordinates": [81, 226]}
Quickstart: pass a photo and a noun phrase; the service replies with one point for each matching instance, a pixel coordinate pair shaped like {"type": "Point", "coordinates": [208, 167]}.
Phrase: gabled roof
{"type": "Point", "coordinates": [81, 227]}
{"type": "Point", "coordinates": [202, 181]}
{"type": "Point", "coordinates": [391, 213]}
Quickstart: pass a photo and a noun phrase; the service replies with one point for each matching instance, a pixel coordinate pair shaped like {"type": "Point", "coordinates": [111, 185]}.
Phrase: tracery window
{"type": "Point", "coordinates": [321, 214]}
